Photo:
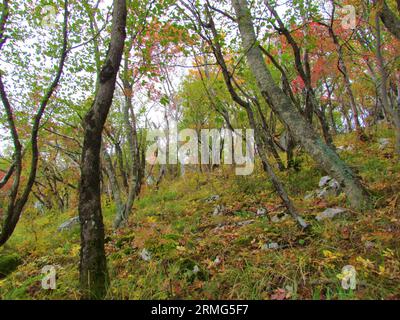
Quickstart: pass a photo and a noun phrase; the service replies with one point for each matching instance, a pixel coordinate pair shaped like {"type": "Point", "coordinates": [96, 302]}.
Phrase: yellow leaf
{"type": "Point", "coordinates": [151, 219]}
{"type": "Point", "coordinates": [381, 270]}
{"type": "Point", "coordinates": [75, 250]}
{"type": "Point", "coordinates": [330, 255]}
{"type": "Point", "coordinates": [327, 253]}
{"type": "Point", "coordinates": [365, 262]}
{"type": "Point", "coordinates": [388, 253]}
{"type": "Point", "coordinates": [59, 251]}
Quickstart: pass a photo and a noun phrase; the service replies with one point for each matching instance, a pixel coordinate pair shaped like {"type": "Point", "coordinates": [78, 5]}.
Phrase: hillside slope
{"type": "Point", "coordinates": [220, 236]}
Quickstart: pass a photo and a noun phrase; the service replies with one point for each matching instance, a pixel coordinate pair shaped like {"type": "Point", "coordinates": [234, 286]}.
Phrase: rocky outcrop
{"type": "Point", "coordinates": [69, 224]}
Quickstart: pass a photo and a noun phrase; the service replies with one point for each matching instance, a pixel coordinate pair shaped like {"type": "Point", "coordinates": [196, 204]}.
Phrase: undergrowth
{"type": "Point", "coordinates": [196, 255]}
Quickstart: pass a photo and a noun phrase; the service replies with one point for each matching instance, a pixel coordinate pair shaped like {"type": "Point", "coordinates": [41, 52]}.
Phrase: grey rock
{"type": "Point", "coordinates": [245, 223]}
{"type": "Point", "coordinates": [150, 181]}
{"type": "Point", "coordinates": [273, 246]}
{"type": "Point", "coordinates": [217, 261]}
{"type": "Point", "coordinates": [213, 198]}
{"type": "Point", "coordinates": [383, 143]}
{"type": "Point", "coordinates": [326, 193]}
{"type": "Point", "coordinates": [330, 213]}
{"type": "Point", "coordinates": [324, 181]}
{"type": "Point", "coordinates": [145, 255]}
{"type": "Point", "coordinates": [261, 212]}
{"type": "Point", "coordinates": [196, 269]}
{"type": "Point", "coordinates": [39, 207]}
{"type": "Point", "coordinates": [344, 148]}
{"type": "Point", "coordinates": [69, 224]}
{"type": "Point", "coordinates": [218, 210]}
{"type": "Point", "coordinates": [310, 195]}
{"type": "Point", "coordinates": [270, 246]}
{"type": "Point", "coordinates": [329, 187]}
{"type": "Point", "coordinates": [302, 222]}
{"type": "Point", "coordinates": [333, 184]}
{"type": "Point", "coordinates": [277, 219]}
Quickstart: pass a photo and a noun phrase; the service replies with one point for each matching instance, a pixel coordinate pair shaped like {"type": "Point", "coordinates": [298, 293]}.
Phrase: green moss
{"type": "Point", "coordinates": [244, 240]}
{"type": "Point", "coordinates": [187, 270]}
{"type": "Point", "coordinates": [8, 263]}
{"type": "Point", "coordinates": [125, 239]}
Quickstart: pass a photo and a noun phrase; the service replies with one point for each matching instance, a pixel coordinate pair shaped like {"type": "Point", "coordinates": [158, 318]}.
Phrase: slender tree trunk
{"type": "Point", "coordinates": [93, 267]}
{"type": "Point", "coordinates": [324, 126]}
{"type": "Point", "coordinates": [121, 166]}
{"type": "Point", "coordinates": [114, 185]}
{"type": "Point", "coordinates": [346, 115]}
{"type": "Point", "coordinates": [278, 185]}
{"type": "Point", "coordinates": [18, 198]}
{"type": "Point", "coordinates": [331, 107]}
{"type": "Point", "coordinates": [304, 70]}
{"type": "Point", "coordinates": [266, 136]}
{"type": "Point", "coordinates": [395, 114]}
{"type": "Point", "coordinates": [353, 104]}
{"type": "Point", "coordinates": [347, 84]}
{"type": "Point", "coordinates": [134, 163]}
{"type": "Point", "coordinates": [389, 18]}
{"type": "Point", "coordinates": [301, 130]}
{"type": "Point", "coordinates": [260, 142]}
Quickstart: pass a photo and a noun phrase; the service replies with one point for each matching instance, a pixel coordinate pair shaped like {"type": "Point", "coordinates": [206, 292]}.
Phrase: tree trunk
{"type": "Point", "coordinates": [324, 126]}
{"type": "Point", "coordinates": [347, 84]}
{"type": "Point", "coordinates": [134, 152]}
{"type": "Point", "coordinates": [278, 185]}
{"type": "Point", "coordinates": [389, 109]}
{"type": "Point", "coordinates": [266, 136]}
{"type": "Point", "coordinates": [18, 198]}
{"type": "Point", "coordinates": [301, 130]}
{"type": "Point", "coordinates": [93, 267]}
{"type": "Point", "coordinates": [331, 107]}
{"type": "Point", "coordinates": [389, 19]}
{"type": "Point", "coordinates": [114, 185]}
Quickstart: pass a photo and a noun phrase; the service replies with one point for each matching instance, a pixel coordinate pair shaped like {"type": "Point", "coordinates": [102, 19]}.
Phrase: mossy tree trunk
{"type": "Point", "coordinates": [93, 267]}
{"type": "Point", "coordinates": [322, 154]}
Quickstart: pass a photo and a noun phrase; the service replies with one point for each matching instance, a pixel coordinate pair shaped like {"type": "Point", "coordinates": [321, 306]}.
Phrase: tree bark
{"type": "Point", "coordinates": [17, 197]}
{"type": "Point", "coordinates": [93, 268]}
{"type": "Point", "coordinates": [331, 107]}
{"type": "Point", "coordinates": [304, 71]}
{"type": "Point", "coordinates": [389, 19]}
{"type": "Point", "coordinates": [347, 84]}
{"type": "Point", "coordinates": [389, 109]}
{"type": "Point", "coordinates": [135, 178]}
{"type": "Point", "coordinates": [278, 185]}
{"type": "Point", "coordinates": [260, 141]}
{"type": "Point", "coordinates": [114, 185]}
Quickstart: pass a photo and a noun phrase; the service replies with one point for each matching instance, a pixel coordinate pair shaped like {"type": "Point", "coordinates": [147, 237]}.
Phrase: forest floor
{"type": "Point", "coordinates": [174, 247]}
